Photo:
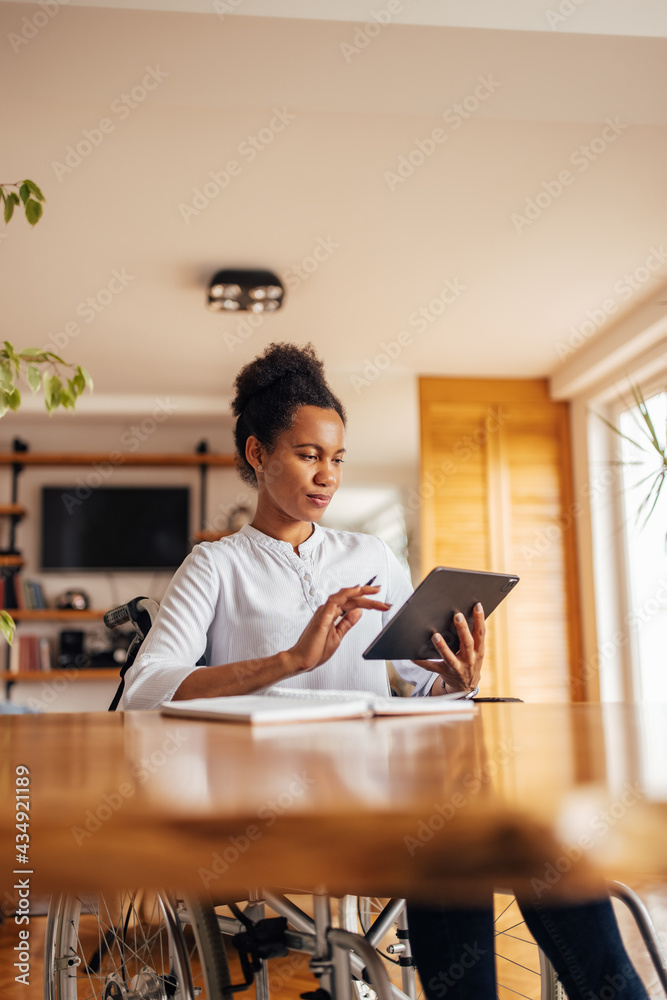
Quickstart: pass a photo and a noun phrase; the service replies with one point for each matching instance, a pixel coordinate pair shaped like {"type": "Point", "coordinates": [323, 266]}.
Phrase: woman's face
{"type": "Point", "coordinates": [302, 473]}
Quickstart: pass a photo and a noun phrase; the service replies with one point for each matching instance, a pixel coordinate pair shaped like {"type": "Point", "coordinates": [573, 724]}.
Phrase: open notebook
{"type": "Point", "coordinates": [302, 706]}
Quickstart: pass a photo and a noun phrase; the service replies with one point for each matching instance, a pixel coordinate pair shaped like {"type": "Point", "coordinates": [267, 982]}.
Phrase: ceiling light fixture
{"type": "Point", "coordinates": [236, 290]}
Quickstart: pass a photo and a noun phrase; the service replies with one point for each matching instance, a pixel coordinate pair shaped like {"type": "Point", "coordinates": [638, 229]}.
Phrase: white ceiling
{"type": "Point", "coordinates": [604, 17]}
{"type": "Point", "coordinates": [325, 180]}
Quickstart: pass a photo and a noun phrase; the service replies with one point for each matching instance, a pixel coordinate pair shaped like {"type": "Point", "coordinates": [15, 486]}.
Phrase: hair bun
{"type": "Point", "coordinates": [278, 362]}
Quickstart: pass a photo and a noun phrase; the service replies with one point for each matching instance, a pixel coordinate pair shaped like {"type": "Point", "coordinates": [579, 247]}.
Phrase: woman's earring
{"type": "Point", "coordinates": [260, 468]}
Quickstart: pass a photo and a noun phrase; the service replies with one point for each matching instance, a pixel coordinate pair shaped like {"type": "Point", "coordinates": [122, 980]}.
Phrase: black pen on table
{"type": "Point", "coordinates": [369, 584]}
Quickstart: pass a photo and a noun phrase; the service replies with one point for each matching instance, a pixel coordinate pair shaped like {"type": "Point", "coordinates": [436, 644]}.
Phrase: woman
{"type": "Point", "coordinates": [279, 603]}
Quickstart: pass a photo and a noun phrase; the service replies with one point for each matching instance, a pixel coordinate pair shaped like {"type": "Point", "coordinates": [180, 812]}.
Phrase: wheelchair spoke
{"type": "Point", "coordinates": [502, 914]}
{"type": "Point", "coordinates": [534, 972]}
{"type": "Point", "coordinates": [519, 923]}
{"type": "Point", "coordinates": [514, 937]}
{"type": "Point", "coordinates": [518, 993]}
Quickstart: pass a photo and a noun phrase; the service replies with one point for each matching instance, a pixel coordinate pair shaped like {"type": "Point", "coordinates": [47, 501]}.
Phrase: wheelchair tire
{"type": "Point", "coordinates": [521, 968]}
{"type": "Point", "coordinates": [130, 945]}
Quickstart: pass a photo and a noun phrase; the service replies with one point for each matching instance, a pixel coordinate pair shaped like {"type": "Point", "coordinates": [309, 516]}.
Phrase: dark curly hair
{"type": "Point", "coordinates": [269, 391]}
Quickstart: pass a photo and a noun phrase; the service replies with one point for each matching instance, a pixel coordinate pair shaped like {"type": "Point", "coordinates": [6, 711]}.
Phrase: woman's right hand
{"type": "Point", "coordinates": [324, 633]}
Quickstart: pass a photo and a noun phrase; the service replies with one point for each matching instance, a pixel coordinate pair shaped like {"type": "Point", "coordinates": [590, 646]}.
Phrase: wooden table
{"type": "Point", "coordinates": [408, 807]}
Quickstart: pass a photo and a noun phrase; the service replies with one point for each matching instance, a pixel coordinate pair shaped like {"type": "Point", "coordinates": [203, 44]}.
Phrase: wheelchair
{"type": "Point", "coordinates": [160, 945]}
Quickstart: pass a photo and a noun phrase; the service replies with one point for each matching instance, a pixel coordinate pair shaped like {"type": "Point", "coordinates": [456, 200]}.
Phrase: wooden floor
{"type": "Point", "coordinates": [289, 977]}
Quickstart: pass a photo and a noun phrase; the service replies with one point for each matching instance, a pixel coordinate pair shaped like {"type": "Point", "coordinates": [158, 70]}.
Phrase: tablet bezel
{"type": "Point", "coordinates": [408, 635]}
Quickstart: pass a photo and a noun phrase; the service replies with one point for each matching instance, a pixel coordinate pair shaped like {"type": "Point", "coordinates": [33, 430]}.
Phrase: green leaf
{"type": "Point", "coordinates": [14, 399]}
{"type": "Point", "coordinates": [34, 377]}
{"type": "Point", "coordinates": [52, 392]}
{"type": "Point", "coordinates": [6, 375]}
{"type": "Point", "coordinates": [80, 383]}
{"type": "Point", "coordinates": [33, 211]}
{"type": "Point", "coordinates": [9, 209]}
{"type": "Point", "coordinates": [67, 400]}
{"type": "Point", "coordinates": [55, 357]}
{"type": "Point", "coordinates": [86, 377]}
{"type": "Point", "coordinates": [4, 406]}
{"type": "Point", "coordinates": [24, 191]}
{"type": "Point", "coordinates": [13, 356]}
{"type": "Point", "coordinates": [33, 352]}
{"type": "Point", "coordinates": [7, 626]}
{"type": "Point", "coordinates": [34, 190]}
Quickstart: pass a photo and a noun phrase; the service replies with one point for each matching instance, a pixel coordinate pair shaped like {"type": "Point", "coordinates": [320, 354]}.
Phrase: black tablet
{"type": "Point", "coordinates": [432, 607]}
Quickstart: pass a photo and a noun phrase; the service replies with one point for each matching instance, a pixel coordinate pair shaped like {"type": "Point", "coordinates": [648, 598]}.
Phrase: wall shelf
{"type": "Point", "coordinates": [12, 510]}
{"type": "Point", "coordinates": [115, 458]}
{"type": "Point", "coordinates": [87, 674]}
{"type": "Point", "coordinates": [54, 614]}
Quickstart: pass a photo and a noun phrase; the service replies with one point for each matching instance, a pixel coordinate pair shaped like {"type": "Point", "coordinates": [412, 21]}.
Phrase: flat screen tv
{"type": "Point", "coordinates": [115, 527]}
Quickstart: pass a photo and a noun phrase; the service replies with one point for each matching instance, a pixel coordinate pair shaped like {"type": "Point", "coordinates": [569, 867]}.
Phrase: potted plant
{"type": "Point", "coordinates": [61, 381]}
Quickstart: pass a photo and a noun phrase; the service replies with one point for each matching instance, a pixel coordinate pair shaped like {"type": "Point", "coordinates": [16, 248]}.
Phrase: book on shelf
{"type": "Point", "coordinates": [39, 595]}
{"type": "Point", "coordinates": [45, 657]}
{"type": "Point", "coordinates": [30, 654]}
{"type": "Point", "coordinates": [305, 706]}
{"type": "Point", "coordinates": [31, 593]}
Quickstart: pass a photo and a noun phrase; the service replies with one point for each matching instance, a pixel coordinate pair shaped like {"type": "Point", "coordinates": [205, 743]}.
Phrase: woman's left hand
{"type": "Point", "coordinates": [462, 671]}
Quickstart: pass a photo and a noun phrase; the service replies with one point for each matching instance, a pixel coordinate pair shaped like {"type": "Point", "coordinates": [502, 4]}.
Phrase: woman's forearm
{"type": "Point", "coordinates": [237, 678]}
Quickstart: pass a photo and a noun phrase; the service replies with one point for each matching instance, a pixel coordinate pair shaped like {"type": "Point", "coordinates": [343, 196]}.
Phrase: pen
{"type": "Point", "coordinates": [369, 584]}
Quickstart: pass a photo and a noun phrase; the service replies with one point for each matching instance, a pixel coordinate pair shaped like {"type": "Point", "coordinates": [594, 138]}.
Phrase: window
{"type": "Point", "coordinates": [644, 531]}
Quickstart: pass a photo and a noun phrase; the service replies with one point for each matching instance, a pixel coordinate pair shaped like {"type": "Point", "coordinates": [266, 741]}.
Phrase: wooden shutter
{"type": "Point", "coordinates": [496, 494]}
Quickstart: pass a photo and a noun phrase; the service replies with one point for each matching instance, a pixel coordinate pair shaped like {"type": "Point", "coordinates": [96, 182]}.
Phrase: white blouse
{"type": "Point", "coordinates": [250, 595]}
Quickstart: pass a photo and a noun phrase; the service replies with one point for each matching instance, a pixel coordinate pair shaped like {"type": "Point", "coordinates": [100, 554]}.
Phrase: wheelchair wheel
{"type": "Point", "coordinates": [133, 946]}
{"type": "Point", "coordinates": [521, 968]}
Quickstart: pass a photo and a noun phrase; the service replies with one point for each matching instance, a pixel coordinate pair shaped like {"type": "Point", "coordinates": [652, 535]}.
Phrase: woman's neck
{"type": "Point", "coordinates": [294, 532]}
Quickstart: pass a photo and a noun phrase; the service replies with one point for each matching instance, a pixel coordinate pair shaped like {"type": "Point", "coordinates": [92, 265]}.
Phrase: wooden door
{"type": "Point", "coordinates": [496, 494]}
